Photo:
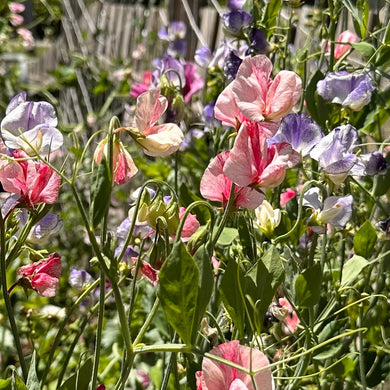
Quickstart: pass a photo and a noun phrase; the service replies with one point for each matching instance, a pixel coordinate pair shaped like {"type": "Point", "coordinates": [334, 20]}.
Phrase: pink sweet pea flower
{"type": "Point", "coordinates": [156, 140]}
{"type": "Point", "coordinates": [291, 321]}
{"type": "Point", "coordinates": [16, 8]}
{"type": "Point", "coordinates": [228, 112]}
{"type": "Point", "coordinates": [254, 97]}
{"type": "Point", "coordinates": [16, 19]}
{"type": "Point", "coordinates": [286, 196]}
{"type": "Point", "coordinates": [215, 185]}
{"type": "Point", "coordinates": [139, 88]}
{"type": "Point", "coordinates": [147, 270]}
{"type": "Point", "coordinates": [123, 165]}
{"type": "Point", "coordinates": [258, 96]}
{"type": "Point", "coordinates": [34, 182]}
{"type": "Point", "coordinates": [253, 163]}
{"type": "Point", "coordinates": [42, 276]}
{"type": "Point", "coordinates": [218, 376]}
{"type": "Point", "coordinates": [343, 43]}
{"type": "Point", "coordinates": [191, 224]}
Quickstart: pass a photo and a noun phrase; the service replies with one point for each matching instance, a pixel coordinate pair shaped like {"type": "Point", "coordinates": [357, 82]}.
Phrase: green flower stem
{"type": "Point", "coordinates": [61, 329]}
{"type": "Point", "coordinates": [332, 33]}
{"type": "Point", "coordinates": [171, 364]}
{"type": "Point", "coordinates": [188, 210]}
{"type": "Point", "coordinates": [99, 331]}
{"type": "Point", "coordinates": [183, 348]}
{"type": "Point", "coordinates": [362, 366]}
{"type": "Point", "coordinates": [147, 322]}
{"type": "Point", "coordinates": [7, 301]}
{"type": "Point", "coordinates": [225, 216]}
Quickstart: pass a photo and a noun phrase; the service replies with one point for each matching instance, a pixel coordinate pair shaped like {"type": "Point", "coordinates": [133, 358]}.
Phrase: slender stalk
{"type": "Point", "coordinates": [147, 322]}
{"type": "Point", "coordinates": [99, 331]}
{"type": "Point", "coordinates": [362, 366]}
{"type": "Point", "coordinates": [7, 301]}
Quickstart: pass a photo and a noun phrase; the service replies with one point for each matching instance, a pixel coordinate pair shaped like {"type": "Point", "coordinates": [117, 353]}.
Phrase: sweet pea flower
{"type": "Point", "coordinates": [28, 39]}
{"type": "Point", "coordinates": [334, 152]}
{"type": "Point", "coordinates": [351, 90]}
{"type": "Point", "coordinates": [194, 83]}
{"type": "Point", "coordinates": [203, 56]}
{"type": "Point", "coordinates": [300, 131]}
{"type": "Point", "coordinates": [171, 68]}
{"type": "Point", "coordinates": [218, 376]}
{"type": "Point", "coordinates": [48, 225]}
{"type": "Point", "coordinates": [16, 8]}
{"type": "Point", "coordinates": [334, 210]}
{"type": "Point", "coordinates": [258, 96]}
{"type": "Point", "coordinates": [16, 19]}
{"type": "Point", "coordinates": [124, 167]}
{"type": "Point", "coordinates": [30, 126]}
{"type": "Point", "coordinates": [253, 163]}
{"type": "Point", "coordinates": [267, 219]}
{"type": "Point", "coordinates": [291, 320]}
{"type": "Point", "coordinates": [156, 140]}
{"type": "Point", "coordinates": [145, 269]}
{"type": "Point", "coordinates": [232, 63]}
{"type": "Point", "coordinates": [236, 4]}
{"type": "Point", "coordinates": [139, 88]}
{"type": "Point", "coordinates": [343, 43]}
{"type": "Point", "coordinates": [80, 279]}
{"type": "Point", "coordinates": [42, 276]}
{"type": "Point", "coordinates": [191, 224]}
{"type": "Point", "coordinates": [258, 43]}
{"type": "Point", "coordinates": [370, 164]}
{"type": "Point", "coordinates": [35, 182]}
{"type": "Point", "coordinates": [235, 21]}
{"type": "Point", "coordinates": [215, 185]}
{"type": "Point", "coordinates": [286, 196]}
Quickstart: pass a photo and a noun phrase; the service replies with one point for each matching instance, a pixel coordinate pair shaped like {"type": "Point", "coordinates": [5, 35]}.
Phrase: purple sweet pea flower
{"type": "Point", "coordinates": [203, 56]}
{"type": "Point", "coordinates": [235, 21]}
{"type": "Point", "coordinates": [48, 225]}
{"type": "Point", "coordinates": [370, 164]}
{"type": "Point", "coordinates": [258, 43]}
{"type": "Point", "coordinates": [79, 279]}
{"type": "Point", "coordinates": [334, 152]}
{"type": "Point", "coordinates": [175, 30]}
{"type": "Point", "coordinates": [232, 63]}
{"type": "Point", "coordinates": [351, 90]}
{"type": "Point", "coordinates": [173, 70]}
{"type": "Point", "coordinates": [31, 125]}
{"type": "Point", "coordinates": [236, 4]}
{"type": "Point", "coordinates": [178, 47]}
{"type": "Point", "coordinates": [300, 131]}
{"type": "Point", "coordinates": [336, 210]}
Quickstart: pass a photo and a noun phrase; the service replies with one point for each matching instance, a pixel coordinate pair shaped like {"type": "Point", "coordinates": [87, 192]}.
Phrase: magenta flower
{"type": "Point", "coordinates": [156, 140]}
{"type": "Point", "coordinates": [215, 185]}
{"type": "Point", "coordinates": [253, 163]}
{"type": "Point", "coordinates": [194, 83]}
{"type": "Point", "coordinates": [286, 196]}
{"type": "Point", "coordinates": [16, 8]}
{"type": "Point", "coordinates": [191, 224]}
{"type": "Point", "coordinates": [42, 276]}
{"type": "Point", "coordinates": [218, 376]}
{"type": "Point", "coordinates": [34, 182]}
{"type": "Point", "coordinates": [30, 125]}
{"type": "Point", "coordinates": [139, 88]}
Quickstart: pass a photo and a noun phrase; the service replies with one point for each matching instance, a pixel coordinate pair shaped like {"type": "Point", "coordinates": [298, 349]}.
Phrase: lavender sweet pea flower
{"type": "Point", "coordinates": [48, 225]}
{"type": "Point", "coordinates": [236, 4]}
{"type": "Point", "coordinates": [203, 56]}
{"type": "Point", "coordinates": [235, 21]}
{"type": "Point", "coordinates": [351, 90]}
{"type": "Point", "coordinates": [79, 279]}
{"type": "Point", "coordinates": [370, 164]}
{"type": "Point", "coordinates": [300, 131]}
{"type": "Point", "coordinates": [31, 125]}
{"type": "Point", "coordinates": [336, 210]}
{"type": "Point", "coordinates": [334, 152]}
{"type": "Point", "coordinates": [175, 30]}
{"type": "Point", "coordinates": [171, 68]}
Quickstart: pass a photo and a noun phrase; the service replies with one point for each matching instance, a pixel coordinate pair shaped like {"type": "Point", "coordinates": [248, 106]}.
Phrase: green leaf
{"type": "Point", "coordinates": [202, 259]}
{"type": "Point", "coordinates": [32, 379]}
{"type": "Point", "coordinates": [227, 236]}
{"type": "Point", "coordinates": [187, 197]}
{"type": "Point", "coordinates": [17, 383]}
{"type": "Point", "coordinates": [246, 236]}
{"type": "Point", "coordinates": [231, 297]}
{"type": "Point", "coordinates": [364, 240]}
{"type": "Point", "coordinates": [100, 191]}
{"type": "Point", "coordinates": [365, 49]}
{"type": "Point", "coordinates": [308, 286]}
{"type": "Point", "coordinates": [352, 269]}
{"type": "Point", "coordinates": [270, 15]}
{"type": "Point", "coordinates": [178, 291]}
{"type": "Point", "coordinates": [79, 380]}
{"type": "Point", "coordinates": [5, 384]}
{"type": "Point", "coordinates": [267, 275]}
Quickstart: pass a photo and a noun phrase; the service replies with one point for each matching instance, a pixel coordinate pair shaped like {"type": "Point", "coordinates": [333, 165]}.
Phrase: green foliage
{"type": "Point", "coordinates": [364, 240]}
{"type": "Point", "coordinates": [308, 286]}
